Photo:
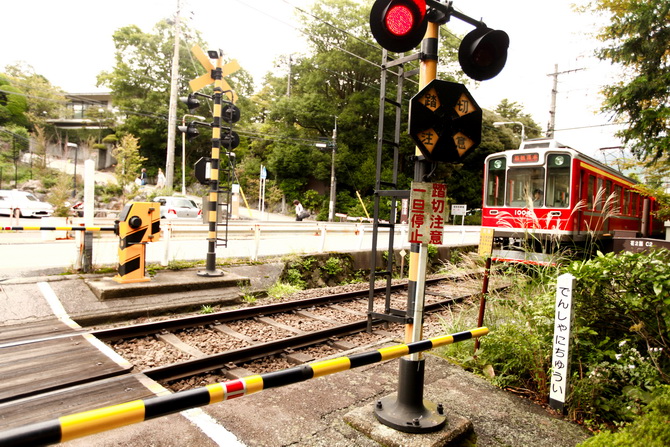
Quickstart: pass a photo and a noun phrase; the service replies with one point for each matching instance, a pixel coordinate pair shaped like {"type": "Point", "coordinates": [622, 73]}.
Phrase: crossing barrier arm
{"type": "Point", "coordinates": [64, 228]}
{"type": "Point", "coordinates": [90, 422]}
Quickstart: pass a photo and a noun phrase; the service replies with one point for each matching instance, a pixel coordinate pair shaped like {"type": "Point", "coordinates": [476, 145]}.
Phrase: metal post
{"type": "Point", "coordinates": [408, 411]}
{"type": "Point", "coordinates": [482, 301]}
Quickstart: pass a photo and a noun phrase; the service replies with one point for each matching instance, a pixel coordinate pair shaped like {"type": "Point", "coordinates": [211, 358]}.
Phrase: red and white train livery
{"type": "Point", "coordinates": [546, 191]}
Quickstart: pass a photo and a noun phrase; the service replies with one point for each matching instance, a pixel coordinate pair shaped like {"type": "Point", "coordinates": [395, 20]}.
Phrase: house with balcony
{"type": "Point", "coordinates": [93, 113]}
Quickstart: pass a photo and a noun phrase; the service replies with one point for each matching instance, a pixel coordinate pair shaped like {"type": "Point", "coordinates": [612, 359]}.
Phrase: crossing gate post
{"type": "Point", "coordinates": [407, 411]}
{"type": "Point", "coordinates": [138, 223]}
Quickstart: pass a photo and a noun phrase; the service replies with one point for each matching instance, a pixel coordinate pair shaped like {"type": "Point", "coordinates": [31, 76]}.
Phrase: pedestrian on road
{"type": "Point", "coordinates": [143, 176]}
{"type": "Point", "coordinates": [160, 182]}
{"type": "Point", "coordinates": [300, 212]}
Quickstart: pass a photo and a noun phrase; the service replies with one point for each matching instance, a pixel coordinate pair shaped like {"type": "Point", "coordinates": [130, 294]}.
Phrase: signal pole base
{"type": "Point", "coordinates": [408, 412]}
{"type": "Point", "coordinates": [209, 273]}
{"type": "Point", "coordinates": [210, 264]}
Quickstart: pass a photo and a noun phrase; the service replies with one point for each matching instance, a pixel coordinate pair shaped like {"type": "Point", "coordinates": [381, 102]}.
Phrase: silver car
{"type": "Point", "coordinates": [178, 207]}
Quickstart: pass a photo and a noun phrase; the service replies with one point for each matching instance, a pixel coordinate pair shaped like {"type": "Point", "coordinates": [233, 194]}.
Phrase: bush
{"type": "Point", "coordinates": [517, 351]}
{"type": "Point", "coordinates": [620, 352]}
{"type": "Point", "coordinates": [650, 430]}
{"type": "Point", "coordinates": [620, 346]}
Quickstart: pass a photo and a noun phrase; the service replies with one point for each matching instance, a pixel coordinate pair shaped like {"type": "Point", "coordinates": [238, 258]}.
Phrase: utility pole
{"type": "Point", "coordinates": [333, 182]}
{"type": "Point", "coordinates": [554, 91]}
{"type": "Point", "coordinates": [172, 112]}
{"type": "Point", "coordinates": [288, 85]}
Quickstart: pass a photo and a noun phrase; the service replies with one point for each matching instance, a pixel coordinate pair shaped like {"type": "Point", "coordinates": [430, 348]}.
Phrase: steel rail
{"type": "Point", "coordinates": [144, 329]}
{"type": "Point", "coordinates": [218, 361]}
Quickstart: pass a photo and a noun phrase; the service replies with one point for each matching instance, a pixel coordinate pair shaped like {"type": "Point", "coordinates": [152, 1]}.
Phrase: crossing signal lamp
{"type": "Point", "coordinates": [398, 25]}
{"type": "Point", "coordinates": [190, 130]}
{"type": "Point", "coordinates": [230, 139]}
{"type": "Point", "coordinates": [191, 101]}
{"type": "Point", "coordinates": [483, 53]}
{"type": "Point", "coordinates": [230, 113]}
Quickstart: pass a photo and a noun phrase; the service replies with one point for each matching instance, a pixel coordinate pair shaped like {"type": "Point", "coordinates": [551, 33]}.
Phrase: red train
{"type": "Point", "coordinates": [548, 194]}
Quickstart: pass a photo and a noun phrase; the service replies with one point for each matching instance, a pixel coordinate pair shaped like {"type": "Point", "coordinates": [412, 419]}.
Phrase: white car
{"type": "Point", "coordinates": [178, 207]}
{"type": "Point", "coordinates": [23, 204]}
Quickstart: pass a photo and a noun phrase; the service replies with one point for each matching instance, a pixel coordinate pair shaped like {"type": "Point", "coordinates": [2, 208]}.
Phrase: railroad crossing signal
{"type": "Point", "coordinates": [445, 121]}
{"type": "Point", "coordinates": [202, 169]}
{"type": "Point", "coordinates": [207, 78]}
{"type": "Point", "coordinates": [398, 25]}
{"type": "Point", "coordinates": [483, 53]}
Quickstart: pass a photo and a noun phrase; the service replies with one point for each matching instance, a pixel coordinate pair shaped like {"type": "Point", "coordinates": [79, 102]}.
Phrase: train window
{"type": "Point", "coordinates": [617, 200]}
{"type": "Point", "coordinates": [600, 194]}
{"type": "Point", "coordinates": [625, 208]}
{"type": "Point", "coordinates": [558, 181]}
{"type": "Point", "coordinates": [522, 183]}
{"type": "Point", "coordinates": [590, 193]}
{"type": "Point", "coordinates": [495, 188]}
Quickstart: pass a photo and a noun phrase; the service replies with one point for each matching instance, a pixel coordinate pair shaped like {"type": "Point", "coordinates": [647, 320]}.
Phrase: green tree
{"type": "Point", "coordinates": [43, 100]}
{"type": "Point", "coordinates": [129, 161]}
{"type": "Point", "coordinates": [13, 105]}
{"type": "Point", "coordinates": [140, 85]}
{"type": "Point", "coordinates": [637, 38]}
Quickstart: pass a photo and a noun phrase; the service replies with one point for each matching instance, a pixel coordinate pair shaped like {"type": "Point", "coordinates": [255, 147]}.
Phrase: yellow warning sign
{"type": "Point", "coordinates": [463, 143]}
{"type": "Point", "coordinates": [429, 138]}
{"type": "Point", "coordinates": [486, 242]}
{"type": "Point", "coordinates": [430, 100]}
{"type": "Point", "coordinates": [465, 105]}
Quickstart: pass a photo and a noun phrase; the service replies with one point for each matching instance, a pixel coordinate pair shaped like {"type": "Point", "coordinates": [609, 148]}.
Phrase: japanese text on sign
{"type": "Point", "coordinates": [561, 342]}
{"type": "Point", "coordinates": [427, 213]}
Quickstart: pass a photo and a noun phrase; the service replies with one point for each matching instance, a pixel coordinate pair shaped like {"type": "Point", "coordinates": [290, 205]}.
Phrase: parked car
{"type": "Point", "coordinates": [178, 207]}
{"type": "Point", "coordinates": [23, 204]}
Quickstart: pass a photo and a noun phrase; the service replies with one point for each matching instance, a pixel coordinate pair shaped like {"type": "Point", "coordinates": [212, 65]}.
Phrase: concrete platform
{"type": "Point", "coordinates": [173, 282]}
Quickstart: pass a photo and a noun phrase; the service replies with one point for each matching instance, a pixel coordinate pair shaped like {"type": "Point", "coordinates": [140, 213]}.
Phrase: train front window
{"type": "Point", "coordinates": [558, 181]}
{"type": "Point", "coordinates": [523, 184]}
{"type": "Point", "coordinates": [495, 186]}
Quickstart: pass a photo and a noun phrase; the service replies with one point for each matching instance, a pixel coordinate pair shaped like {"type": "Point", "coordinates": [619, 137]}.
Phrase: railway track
{"type": "Point", "coordinates": [65, 371]}
{"type": "Point", "coordinates": [223, 342]}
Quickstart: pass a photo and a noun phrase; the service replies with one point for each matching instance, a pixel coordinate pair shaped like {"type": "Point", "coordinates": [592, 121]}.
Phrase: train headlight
{"type": "Point", "coordinates": [497, 164]}
{"type": "Point", "coordinates": [559, 160]}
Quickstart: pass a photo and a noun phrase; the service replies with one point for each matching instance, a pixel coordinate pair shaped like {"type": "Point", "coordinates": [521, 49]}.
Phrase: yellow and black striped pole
{"type": "Point", "coordinates": [213, 197]}
{"type": "Point", "coordinates": [401, 411]}
{"type": "Point", "coordinates": [90, 422]}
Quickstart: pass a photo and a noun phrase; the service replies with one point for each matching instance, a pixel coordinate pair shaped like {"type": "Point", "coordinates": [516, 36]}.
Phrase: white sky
{"type": "Point", "coordinates": [70, 42]}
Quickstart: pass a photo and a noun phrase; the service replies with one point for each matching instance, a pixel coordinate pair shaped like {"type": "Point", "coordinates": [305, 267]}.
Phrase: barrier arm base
{"type": "Point", "coordinates": [407, 411]}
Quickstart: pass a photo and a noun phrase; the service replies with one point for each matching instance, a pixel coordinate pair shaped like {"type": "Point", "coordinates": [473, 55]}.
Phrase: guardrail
{"type": "Point", "coordinates": [184, 240]}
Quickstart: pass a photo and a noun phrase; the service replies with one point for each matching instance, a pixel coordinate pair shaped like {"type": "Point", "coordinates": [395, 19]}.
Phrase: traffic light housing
{"type": "Point", "coordinates": [230, 113]}
{"type": "Point", "coordinates": [191, 101]}
{"type": "Point", "coordinates": [398, 25]}
{"type": "Point", "coordinates": [191, 130]}
{"type": "Point", "coordinates": [230, 139]}
{"type": "Point", "coordinates": [483, 53]}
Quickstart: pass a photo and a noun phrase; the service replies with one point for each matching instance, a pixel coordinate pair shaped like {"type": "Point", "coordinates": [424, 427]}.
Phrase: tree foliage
{"type": "Point", "coordinates": [128, 160]}
{"type": "Point", "coordinates": [41, 100]}
{"type": "Point", "coordinates": [637, 38]}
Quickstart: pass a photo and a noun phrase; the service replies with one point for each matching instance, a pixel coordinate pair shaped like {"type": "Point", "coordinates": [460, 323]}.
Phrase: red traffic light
{"type": "Point", "coordinates": [398, 25]}
{"type": "Point", "coordinates": [483, 53]}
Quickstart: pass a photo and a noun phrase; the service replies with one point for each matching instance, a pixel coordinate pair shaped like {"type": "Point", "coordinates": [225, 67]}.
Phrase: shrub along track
{"type": "Point", "coordinates": [192, 351]}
